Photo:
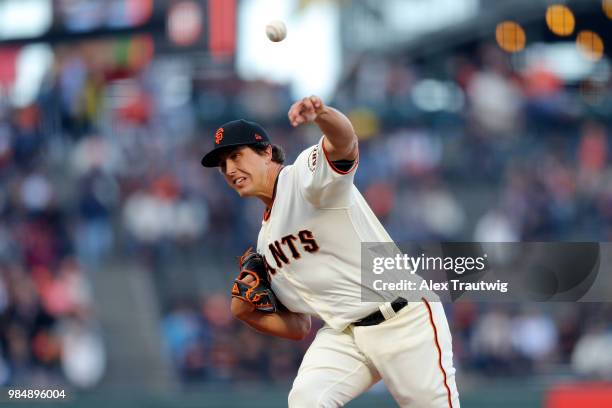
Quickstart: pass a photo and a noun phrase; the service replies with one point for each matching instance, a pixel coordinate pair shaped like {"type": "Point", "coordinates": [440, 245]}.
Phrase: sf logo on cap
{"type": "Point", "coordinates": [219, 136]}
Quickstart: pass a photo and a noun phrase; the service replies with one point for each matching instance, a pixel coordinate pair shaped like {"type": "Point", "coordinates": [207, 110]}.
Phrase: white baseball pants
{"type": "Point", "coordinates": [411, 353]}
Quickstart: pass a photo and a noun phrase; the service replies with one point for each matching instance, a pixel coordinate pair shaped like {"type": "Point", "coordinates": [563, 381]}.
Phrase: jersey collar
{"type": "Point", "coordinates": [268, 210]}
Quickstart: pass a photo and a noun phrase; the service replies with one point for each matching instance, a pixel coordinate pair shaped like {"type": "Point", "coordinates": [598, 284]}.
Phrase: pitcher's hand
{"type": "Point", "coordinates": [306, 110]}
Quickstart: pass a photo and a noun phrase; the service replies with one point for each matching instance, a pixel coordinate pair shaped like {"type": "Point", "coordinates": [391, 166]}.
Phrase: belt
{"type": "Point", "coordinates": [377, 317]}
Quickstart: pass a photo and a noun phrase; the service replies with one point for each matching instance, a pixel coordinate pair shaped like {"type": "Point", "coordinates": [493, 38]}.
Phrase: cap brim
{"type": "Point", "coordinates": [211, 159]}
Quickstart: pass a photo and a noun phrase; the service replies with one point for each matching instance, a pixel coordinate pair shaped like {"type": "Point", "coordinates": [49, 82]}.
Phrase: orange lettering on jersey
{"type": "Point", "coordinates": [308, 242]}
{"type": "Point", "coordinates": [278, 254]}
{"type": "Point", "coordinates": [288, 240]}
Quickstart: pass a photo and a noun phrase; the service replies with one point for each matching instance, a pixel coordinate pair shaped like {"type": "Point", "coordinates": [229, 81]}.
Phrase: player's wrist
{"type": "Point", "coordinates": [241, 309]}
{"type": "Point", "coordinates": [321, 114]}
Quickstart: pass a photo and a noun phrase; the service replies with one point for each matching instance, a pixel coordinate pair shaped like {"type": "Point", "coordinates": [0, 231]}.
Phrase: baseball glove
{"type": "Point", "coordinates": [257, 292]}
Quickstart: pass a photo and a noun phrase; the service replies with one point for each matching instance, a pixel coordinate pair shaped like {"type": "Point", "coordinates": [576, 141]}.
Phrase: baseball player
{"type": "Point", "coordinates": [310, 243]}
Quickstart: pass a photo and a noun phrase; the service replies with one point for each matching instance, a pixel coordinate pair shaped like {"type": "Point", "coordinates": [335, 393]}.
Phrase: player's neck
{"type": "Point", "coordinates": [267, 195]}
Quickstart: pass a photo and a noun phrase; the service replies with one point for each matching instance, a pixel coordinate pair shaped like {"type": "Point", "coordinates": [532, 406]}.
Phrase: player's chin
{"type": "Point", "coordinates": [243, 191]}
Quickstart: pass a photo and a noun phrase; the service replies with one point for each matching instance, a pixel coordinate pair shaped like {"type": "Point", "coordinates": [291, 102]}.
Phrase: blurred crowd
{"type": "Point", "coordinates": [207, 344]}
{"type": "Point", "coordinates": [497, 341]}
{"type": "Point", "coordinates": [506, 340]}
{"type": "Point", "coordinates": [106, 164]}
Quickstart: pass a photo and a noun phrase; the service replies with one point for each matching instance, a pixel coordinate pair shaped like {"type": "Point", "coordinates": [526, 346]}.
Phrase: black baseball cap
{"type": "Point", "coordinates": [235, 133]}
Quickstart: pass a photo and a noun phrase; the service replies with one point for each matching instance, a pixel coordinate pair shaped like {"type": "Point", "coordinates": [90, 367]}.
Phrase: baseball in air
{"type": "Point", "coordinates": [276, 31]}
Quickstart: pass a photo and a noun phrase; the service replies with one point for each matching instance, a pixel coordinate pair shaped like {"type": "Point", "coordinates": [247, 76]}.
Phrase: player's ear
{"type": "Point", "coordinates": [268, 153]}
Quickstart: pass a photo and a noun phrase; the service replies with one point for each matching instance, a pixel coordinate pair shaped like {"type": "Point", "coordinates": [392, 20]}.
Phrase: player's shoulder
{"type": "Point", "coordinates": [309, 157]}
{"type": "Point", "coordinates": [305, 162]}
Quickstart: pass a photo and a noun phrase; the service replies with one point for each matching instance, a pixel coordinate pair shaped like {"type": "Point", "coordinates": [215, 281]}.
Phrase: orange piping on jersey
{"type": "Point", "coordinates": [333, 166]}
{"type": "Point", "coordinates": [433, 325]}
{"type": "Point", "coordinates": [268, 210]}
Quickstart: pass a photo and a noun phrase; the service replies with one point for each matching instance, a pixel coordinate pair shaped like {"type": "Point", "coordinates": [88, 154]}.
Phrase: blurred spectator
{"type": "Point", "coordinates": [494, 226]}
{"type": "Point", "coordinates": [183, 333]}
{"type": "Point", "coordinates": [534, 336]}
{"type": "Point", "coordinates": [83, 357]}
{"type": "Point", "coordinates": [591, 357]}
{"type": "Point", "coordinates": [491, 343]}
{"type": "Point", "coordinates": [97, 197]}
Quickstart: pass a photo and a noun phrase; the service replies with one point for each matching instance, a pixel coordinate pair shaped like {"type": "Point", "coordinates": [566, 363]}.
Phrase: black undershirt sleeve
{"type": "Point", "coordinates": [343, 165]}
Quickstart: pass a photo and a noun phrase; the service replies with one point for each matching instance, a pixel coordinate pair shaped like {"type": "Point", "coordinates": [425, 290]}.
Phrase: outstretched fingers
{"type": "Point", "coordinates": [316, 102]}
{"type": "Point", "coordinates": [305, 110]}
{"type": "Point", "coordinates": [307, 106]}
{"type": "Point", "coordinates": [295, 117]}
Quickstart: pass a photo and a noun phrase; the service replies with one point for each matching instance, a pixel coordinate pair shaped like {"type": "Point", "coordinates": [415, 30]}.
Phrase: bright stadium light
{"type": "Point", "coordinates": [590, 45]}
{"type": "Point", "coordinates": [510, 36]}
{"type": "Point", "coordinates": [560, 20]}
{"type": "Point", "coordinates": [185, 23]}
{"type": "Point", "coordinates": [417, 17]}
{"type": "Point", "coordinates": [607, 8]}
{"type": "Point", "coordinates": [308, 59]}
{"type": "Point", "coordinates": [431, 95]}
{"type": "Point", "coordinates": [563, 59]}
{"type": "Point", "coordinates": [24, 18]}
{"type": "Point", "coordinates": [33, 63]}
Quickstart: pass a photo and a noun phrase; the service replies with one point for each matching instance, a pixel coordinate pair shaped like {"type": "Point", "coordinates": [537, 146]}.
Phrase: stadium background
{"type": "Point", "coordinates": [117, 248]}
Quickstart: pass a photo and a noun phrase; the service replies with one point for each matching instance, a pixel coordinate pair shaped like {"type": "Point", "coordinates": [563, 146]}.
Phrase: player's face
{"type": "Point", "coordinates": [244, 170]}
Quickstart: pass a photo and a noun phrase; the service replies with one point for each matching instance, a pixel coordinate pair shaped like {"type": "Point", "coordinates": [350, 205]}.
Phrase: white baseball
{"type": "Point", "coordinates": [276, 30]}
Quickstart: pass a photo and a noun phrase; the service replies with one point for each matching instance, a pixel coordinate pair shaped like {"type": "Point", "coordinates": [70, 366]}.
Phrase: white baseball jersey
{"type": "Point", "coordinates": [311, 239]}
